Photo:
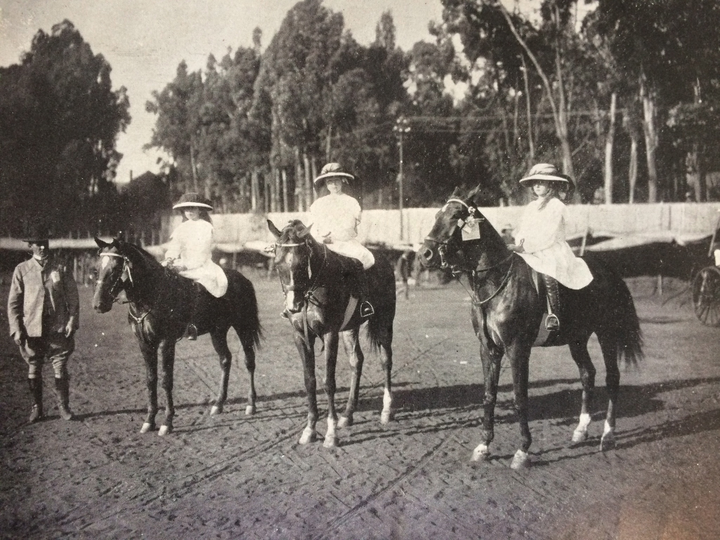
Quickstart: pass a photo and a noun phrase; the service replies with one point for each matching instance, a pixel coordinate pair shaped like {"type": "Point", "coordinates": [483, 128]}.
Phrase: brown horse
{"type": "Point", "coordinates": [159, 310]}
{"type": "Point", "coordinates": [320, 303]}
{"type": "Point", "coordinates": [508, 309]}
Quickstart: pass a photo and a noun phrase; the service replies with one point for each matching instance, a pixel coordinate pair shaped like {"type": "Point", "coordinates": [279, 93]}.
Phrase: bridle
{"type": "Point", "coordinates": [457, 270]}
{"type": "Point", "coordinates": [443, 245]}
{"type": "Point", "coordinates": [312, 279]}
{"type": "Point", "coordinates": [118, 285]}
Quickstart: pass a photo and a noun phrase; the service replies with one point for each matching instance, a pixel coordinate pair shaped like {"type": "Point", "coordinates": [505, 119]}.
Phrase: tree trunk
{"type": "Point", "coordinates": [609, 140]}
{"type": "Point", "coordinates": [308, 182]}
{"type": "Point", "coordinates": [633, 167]}
{"type": "Point", "coordinates": [651, 137]}
{"type": "Point", "coordinates": [254, 190]}
{"type": "Point", "coordinates": [531, 142]}
{"type": "Point", "coordinates": [285, 207]}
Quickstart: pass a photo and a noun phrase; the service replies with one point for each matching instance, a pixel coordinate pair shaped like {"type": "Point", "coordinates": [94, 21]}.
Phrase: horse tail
{"type": "Point", "coordinates": [628, 334]}
{"type": "Point", "coordinates": [380, 325]}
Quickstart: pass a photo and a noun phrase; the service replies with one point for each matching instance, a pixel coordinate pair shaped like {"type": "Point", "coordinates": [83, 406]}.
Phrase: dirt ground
{"type": "Point", "coordinates": [237, 476]}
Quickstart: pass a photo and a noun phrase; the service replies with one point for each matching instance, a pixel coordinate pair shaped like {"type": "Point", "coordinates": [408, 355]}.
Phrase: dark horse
{"type": "Point", "coordinates": [508, 309]}
{"type": "Point", "coordinates": [159, 310]}
{"type": "Point", "coordinates": [319, 300]}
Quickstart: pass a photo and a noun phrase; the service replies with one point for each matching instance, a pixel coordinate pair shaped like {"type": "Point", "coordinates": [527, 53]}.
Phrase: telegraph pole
{"type": "Point", "coordinates": [402, 126]}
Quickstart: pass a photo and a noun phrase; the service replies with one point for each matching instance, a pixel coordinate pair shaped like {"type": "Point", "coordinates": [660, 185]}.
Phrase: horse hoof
{"type": "Point", "coordinates": [216, 409]}
{"type": "Point", "coordinates": [385, 417]}
{"type": "Point", "coordinates": [345, 421]}
{"type": "Point", "coordinates": [250, 409]}
{"type": "Point", "coordinates": [481, 453]}
{"type": "Point", "coordinates": [165, 430]}
{"type": "Point", "coordinates": [330, 442]}
{"type": "Point", "coordinates": [308, 436]}
{"type": "Point", "coordinates": [579, 436]}
{"type": "Point", "coordinates": [146, 427]}
{"type": "Point", "coordinates": [521, 460]}
{"type": "Point", "coordinates": [607, 442]}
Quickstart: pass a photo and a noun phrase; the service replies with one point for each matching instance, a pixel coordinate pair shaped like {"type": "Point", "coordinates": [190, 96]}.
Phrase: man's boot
{"type": "Point", "coordinates": [366, 308]}
{"type": "Point", "coordinates": [36, 414]}
{"type": "Point", "coordinates": [62, 389]}
{"type": "Point", "coordinates": [552, 323]}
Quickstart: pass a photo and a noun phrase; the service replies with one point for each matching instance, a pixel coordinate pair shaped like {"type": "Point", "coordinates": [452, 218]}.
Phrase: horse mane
{"type": "Point", "coordinates": [150, 262]}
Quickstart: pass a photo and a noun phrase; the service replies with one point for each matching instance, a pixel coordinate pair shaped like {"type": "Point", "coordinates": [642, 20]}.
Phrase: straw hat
{"type": "Point", "coordinates": [332, 170]}
{"type": "Point", "coordinates": [547, 172]}
{"type": "Point", "coordinates": [192, 200]}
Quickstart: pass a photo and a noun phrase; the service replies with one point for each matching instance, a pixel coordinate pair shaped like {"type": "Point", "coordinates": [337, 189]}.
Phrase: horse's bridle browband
{"type": "Point", "coordinates": [126, 267]}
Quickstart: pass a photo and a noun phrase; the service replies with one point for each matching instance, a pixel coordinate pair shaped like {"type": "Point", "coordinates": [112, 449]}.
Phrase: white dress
{"type": "Point", "coordinates": [191, 243]}
{"type": "Point", "coordinates": [546, 251]}
{"type": "Point", "coordinates": [338, 215]}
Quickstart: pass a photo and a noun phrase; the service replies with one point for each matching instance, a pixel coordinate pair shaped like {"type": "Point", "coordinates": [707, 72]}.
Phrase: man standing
{"type": "Point", "coordinates": [43, 312]}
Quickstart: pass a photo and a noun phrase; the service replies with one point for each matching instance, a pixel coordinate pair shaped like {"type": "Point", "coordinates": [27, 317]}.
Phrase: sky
{"type": "Point", "coordinates": [145, 40]}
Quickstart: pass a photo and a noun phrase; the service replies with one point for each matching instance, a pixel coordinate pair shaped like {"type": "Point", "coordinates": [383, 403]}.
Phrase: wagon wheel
{"type": "Point", "coordinates": [706, 296]}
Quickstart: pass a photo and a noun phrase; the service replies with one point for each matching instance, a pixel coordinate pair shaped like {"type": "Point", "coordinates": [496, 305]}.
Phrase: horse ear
{"type": "Point", "coordinates": [273, 229]}
{"type": "Point", "coordinates": [457, 193]}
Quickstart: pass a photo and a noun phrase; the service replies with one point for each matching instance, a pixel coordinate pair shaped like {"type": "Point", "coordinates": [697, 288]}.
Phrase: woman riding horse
{"type": "Point", "coordinates": [507, 310]}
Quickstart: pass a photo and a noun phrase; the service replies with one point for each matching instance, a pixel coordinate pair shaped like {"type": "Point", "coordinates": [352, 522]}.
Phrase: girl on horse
{"type": "Point", "coordinates": [335, 218]}
{"type": "Point", "coordinates": [190, 253]}
{"type": "Point", "coordinates": [540, 239]}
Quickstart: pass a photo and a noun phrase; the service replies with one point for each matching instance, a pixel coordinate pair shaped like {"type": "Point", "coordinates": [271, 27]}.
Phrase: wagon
{"type": "Point", "coordinates": [706, 288]}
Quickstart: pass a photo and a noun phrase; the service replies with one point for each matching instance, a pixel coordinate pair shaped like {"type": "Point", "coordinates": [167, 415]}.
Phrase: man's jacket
{"type": "Point", "coordinates": [30, 284]}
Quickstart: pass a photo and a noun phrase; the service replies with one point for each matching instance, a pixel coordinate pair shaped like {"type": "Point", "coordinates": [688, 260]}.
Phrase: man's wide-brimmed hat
{"type": "Point", "coordinates": [332, 170]}
{"type": "Point", "coordinates": [547, 172]}
{"type": "Point", "coordinates": [192, 200]}
{"type": "Point", "coordinates": [37, 232]}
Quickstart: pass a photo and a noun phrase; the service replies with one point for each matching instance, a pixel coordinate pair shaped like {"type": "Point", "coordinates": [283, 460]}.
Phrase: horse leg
{"type": "Point", "coordinates": [219, 341]}
{"type": "Point", "coordinates": [167, 353]}
{"type": "Point", "coordinates": [579, 352]}
{"type": "Point", "coordinates": [149, 353]}
{"type": "Point", "coordinates": [331, 350]}
{"type": "Point", "coordinates": [519, 357]}
{"type": "Point", "coordinates": [491, 374]}
{"type": "Point", "coordinates": [351, 343]}
{"type": "Point", "coordinates": [612, 385]}
{"type": "Point", "coordinates": [386, 361]}
{"type": "Point", "coordinates": [248, 346]}
{"type": "Point", "coordinates": [307, 354]}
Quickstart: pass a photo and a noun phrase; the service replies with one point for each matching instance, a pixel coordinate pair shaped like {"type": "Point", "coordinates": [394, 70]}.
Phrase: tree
{"type": "Point", "coordinates": [59, 119]}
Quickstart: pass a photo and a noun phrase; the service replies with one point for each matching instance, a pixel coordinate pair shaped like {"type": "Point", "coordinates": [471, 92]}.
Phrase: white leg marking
{"type": "Point", "coordinates": [607, 441]}
{"type": "Point", "coordinates": [330, 437]}
{"type": "Point", "coordinates": [308, 435]}
{"type": "Point", "coordinates": [521, 460]}
{"type": "Point", "coordinates": [481, 453]}
{"type": "Point", "coordinates": [386, 414]}
{"type": "Point", "coordinates": [581, 431]}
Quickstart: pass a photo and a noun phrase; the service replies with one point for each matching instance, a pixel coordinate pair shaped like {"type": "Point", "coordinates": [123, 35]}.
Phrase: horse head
{"type": "Point", "coordinates": [112, 270]}
{"type": "Point", "coordinates": [293, 249]}
{"type": "Point", "coordinates": [459, 228]}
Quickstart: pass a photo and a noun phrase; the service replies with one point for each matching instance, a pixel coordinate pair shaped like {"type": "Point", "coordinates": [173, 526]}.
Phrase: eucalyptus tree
{"type": "Point", "coordinates": [177, 127]}
{"type": "Point", "coordinates": [59, 120]}
{"type": "Point", "coordinates": [670, 54]}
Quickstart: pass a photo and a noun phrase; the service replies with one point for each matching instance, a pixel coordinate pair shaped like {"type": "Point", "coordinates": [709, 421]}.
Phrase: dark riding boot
{"type": "Point", "coordinates": [62, 389]}
{"type": "Point", "coordinates": [192, 332]}
{"type": "Point", "coordinates": [552, 323]}
{"type": "Point", "coordinates": [366, 308]}
{"type": "Point", "coordinates": [35, 385]}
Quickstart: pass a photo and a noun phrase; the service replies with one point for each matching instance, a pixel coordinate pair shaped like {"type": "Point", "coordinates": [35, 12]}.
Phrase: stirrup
{"type": "Point", "coordinates": [552, 323]}
{"type": "Point", "coordinates": [366, 309]}
{"type": "Point", "coordinates": [191, 333]}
